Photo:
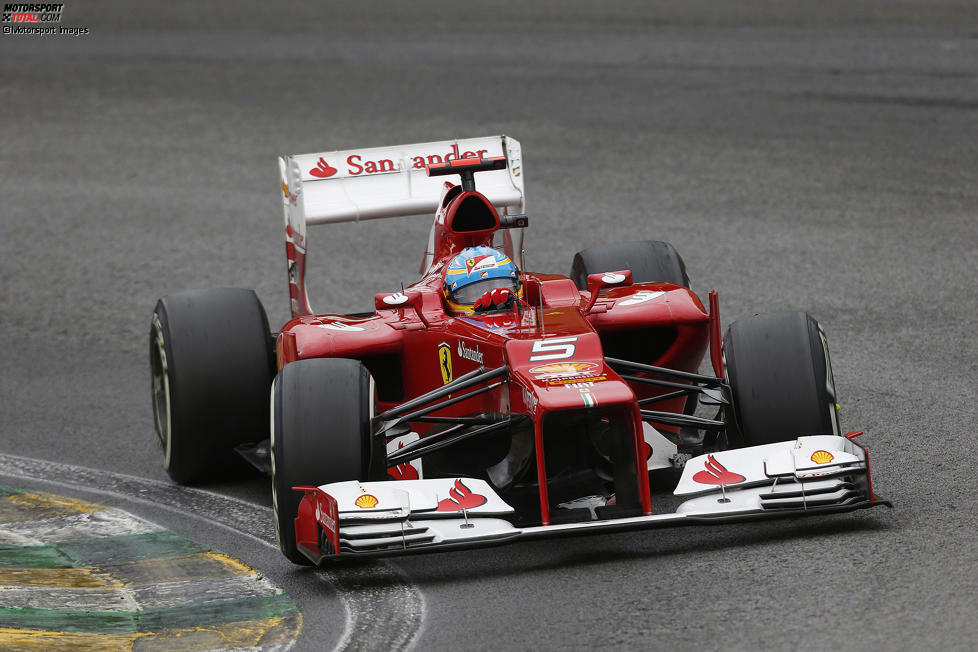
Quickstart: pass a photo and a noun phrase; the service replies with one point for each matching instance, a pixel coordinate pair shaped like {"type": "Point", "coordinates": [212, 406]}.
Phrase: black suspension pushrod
{"type": "Point", "coordinates": [411, 416]}
{"type": "Point", "coordinates": [685, 375]}
{"type": "Point", "coordinates": [468, 421]}
{"type": "Point", "coordinates": [673, 419]}
{"type": "Point", "coordinates": [663, 383]}
{"type": "Point", "coordinates": [424, 441]}
{"type": "Point", "coordinates": [664, 397]}
{"type": "Point", "coordinates": [474, 377]}
{"type": "Point", "coordinates": [424, 446]}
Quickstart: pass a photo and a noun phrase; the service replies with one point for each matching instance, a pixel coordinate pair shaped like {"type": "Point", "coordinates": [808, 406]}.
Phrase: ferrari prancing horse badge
{"type": "Point", "coordinates": [445, 362]}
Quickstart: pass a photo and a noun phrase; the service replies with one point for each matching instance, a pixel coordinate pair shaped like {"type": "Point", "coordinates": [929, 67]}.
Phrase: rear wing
{"type": "Point", "coordinates": [381, 182]}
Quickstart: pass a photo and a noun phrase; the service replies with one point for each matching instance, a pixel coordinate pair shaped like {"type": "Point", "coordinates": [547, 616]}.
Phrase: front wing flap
{"type": "Point", "coordinates": [809, 475]}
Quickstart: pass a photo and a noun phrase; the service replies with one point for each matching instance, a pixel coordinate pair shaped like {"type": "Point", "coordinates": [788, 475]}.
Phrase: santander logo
{"type": "Point", "coordinates": [357, 164]}
{"type": "Point", "coordinates": [716, 473]}
{"type": "Point", "coordinates": [460, 497]}
{"type": "Point", "coordinates": [405, 471]}
{"type": "Point", "coordinates": [323, 170]}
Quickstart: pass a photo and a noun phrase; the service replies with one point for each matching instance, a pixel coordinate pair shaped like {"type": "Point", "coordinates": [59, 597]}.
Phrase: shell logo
{"type": "Point", "coordinates": [366, 501]}
{"type": "Point", "coordinates": [822, 457]}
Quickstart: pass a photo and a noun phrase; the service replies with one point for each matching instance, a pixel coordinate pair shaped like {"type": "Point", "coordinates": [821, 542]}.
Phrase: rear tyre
{"type": "Point", "coordinates": [321, 411]}
{"type": "Point", "coordinates": [649, 260]}
{"type": "Point", "coordinates": [211, 366]}
{"type": "Point", "coordinates": [781, 378]}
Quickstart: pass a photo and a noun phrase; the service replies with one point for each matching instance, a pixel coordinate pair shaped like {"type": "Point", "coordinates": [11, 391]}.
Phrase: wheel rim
{"type": "Point", "coordinates": [161, 390]}
{"type": "Point", "coordinates": [829, 383]}
{"type": "Point", "coordinates": [271, 450]}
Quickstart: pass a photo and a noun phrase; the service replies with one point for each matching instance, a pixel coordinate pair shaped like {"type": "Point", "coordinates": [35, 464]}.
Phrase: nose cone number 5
{"type": "Point", "coordinates": [558, 348]}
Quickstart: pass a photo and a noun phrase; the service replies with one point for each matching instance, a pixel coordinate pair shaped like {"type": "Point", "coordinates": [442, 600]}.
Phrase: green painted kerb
{"type": "Point", "coordinates": [155, 620]}
{"type": "Point", "coordinates": [34, 557]}
{"type": "Point", "coordinates": [123, 561]}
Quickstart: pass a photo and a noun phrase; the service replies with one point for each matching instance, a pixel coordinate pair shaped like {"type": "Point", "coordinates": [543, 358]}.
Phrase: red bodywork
{"type": "Point", "coordinates": [400, 344]}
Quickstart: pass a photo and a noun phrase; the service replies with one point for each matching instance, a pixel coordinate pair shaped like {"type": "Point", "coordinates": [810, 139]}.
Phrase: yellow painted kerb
{"type": "Point", "coordinates": [34, 506]}
{"type": "Point", "coordinates": [249, 633]}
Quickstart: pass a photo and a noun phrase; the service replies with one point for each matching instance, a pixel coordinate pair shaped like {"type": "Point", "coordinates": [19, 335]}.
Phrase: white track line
{"type": "Point", "coordinates": [360, 589]}
{"type": "Point", "coordinates": [381, 590]}
{"type": "Point", "coordinates": [106, 523]}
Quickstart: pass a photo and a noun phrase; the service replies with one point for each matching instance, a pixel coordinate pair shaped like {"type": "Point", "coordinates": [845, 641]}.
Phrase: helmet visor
{"type": "Point", "coordinates": [469, 294]}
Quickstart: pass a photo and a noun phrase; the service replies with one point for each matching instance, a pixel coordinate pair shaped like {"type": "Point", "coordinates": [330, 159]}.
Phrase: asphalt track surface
{"type": "Point", "coordinates": [818, 156]}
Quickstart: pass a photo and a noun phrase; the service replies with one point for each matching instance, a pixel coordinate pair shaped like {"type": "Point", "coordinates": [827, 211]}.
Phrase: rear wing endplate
{"type": "Point", "coordinates": [380, 182]}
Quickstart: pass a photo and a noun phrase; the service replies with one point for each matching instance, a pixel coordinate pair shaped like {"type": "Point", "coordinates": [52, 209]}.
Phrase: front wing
{"type": "Point", "coordinates": [811, 475]}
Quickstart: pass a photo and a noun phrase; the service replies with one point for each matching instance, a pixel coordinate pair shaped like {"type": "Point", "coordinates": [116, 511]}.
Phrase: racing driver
{"type": "Point", "coordinates": [481, 279]}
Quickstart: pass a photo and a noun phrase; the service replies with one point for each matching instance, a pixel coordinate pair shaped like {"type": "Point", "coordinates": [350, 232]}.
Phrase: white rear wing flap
{"type": "Point", "coordinates": [380, 182]}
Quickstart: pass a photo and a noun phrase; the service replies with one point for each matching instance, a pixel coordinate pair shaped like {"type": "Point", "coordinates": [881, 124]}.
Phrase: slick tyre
{"type": "Point", "coordinates": [211, 367]}
{"type": "Point", "coordinates": [781, 379]}
{"type": "Point", "coordinates": [649, 260]}
{"type": "Point", "coordinates": [321, 411]}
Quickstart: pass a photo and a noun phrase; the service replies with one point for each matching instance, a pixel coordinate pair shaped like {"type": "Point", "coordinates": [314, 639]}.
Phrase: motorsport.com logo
{"type": "Point", "coordinates": [32, 13]}
{"type": "Point", "coordinates": [34, 19]}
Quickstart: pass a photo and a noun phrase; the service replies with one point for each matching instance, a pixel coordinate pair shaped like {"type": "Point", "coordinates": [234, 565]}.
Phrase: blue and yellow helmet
{"type": "Point", "coordinates": [474, 272]}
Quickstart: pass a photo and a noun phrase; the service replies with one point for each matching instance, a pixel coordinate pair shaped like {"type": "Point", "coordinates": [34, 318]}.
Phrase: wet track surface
{"type": "Point", "coordinates": [818, 159]}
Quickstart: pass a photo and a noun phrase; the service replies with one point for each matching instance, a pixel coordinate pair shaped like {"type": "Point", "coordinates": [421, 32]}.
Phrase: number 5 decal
{"type": "Point", "coordinates": [555, 349]}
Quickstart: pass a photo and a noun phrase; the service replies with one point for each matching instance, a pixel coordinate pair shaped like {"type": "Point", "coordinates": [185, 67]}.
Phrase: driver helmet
{"type": "Point", "coordinates": [476, 271]}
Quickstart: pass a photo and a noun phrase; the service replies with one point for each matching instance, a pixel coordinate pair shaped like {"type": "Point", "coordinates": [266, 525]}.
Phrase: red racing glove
{"type": "Point", "coordinates": [497, 299]}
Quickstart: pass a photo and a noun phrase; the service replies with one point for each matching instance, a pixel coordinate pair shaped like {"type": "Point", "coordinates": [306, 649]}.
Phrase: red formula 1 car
{"type": "Point", "coordinates": [485, 403]}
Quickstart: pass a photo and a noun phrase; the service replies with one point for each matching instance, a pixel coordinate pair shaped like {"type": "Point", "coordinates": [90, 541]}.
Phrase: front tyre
{"type": "Point", "coordinates": [211, 367]}
{"type": "Point", "coordinates": [651, 261]}
{"type": "Point", "coordinates": [321, 411]}
{"type": "Point", "coordinates": [781, 378]}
